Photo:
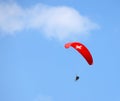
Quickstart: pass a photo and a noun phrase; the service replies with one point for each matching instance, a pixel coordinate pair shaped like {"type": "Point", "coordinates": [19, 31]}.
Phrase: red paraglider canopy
{"type": "Point", "coordinates": [82, 50]}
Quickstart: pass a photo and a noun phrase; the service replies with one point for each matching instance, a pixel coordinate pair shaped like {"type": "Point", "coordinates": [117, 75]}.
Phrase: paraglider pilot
{"type": "Point", "coordinates": [77, 78]}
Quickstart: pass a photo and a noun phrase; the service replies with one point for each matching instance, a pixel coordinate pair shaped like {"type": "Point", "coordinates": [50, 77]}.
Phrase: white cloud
{"type": "Point", "coordinates": [43, 98]}
{"type": "Point", "coordinates": [55, 22]}
{"type": "Point", "coordinates": [11, 18]}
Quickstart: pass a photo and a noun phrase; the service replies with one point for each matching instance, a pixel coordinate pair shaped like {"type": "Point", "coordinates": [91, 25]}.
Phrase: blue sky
{"type": "Point", "coordinates": [35, 66]}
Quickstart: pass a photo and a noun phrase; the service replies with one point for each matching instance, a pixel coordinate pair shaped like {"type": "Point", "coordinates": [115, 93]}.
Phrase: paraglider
{"type": "Point", "coordinates": [81, 50]}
